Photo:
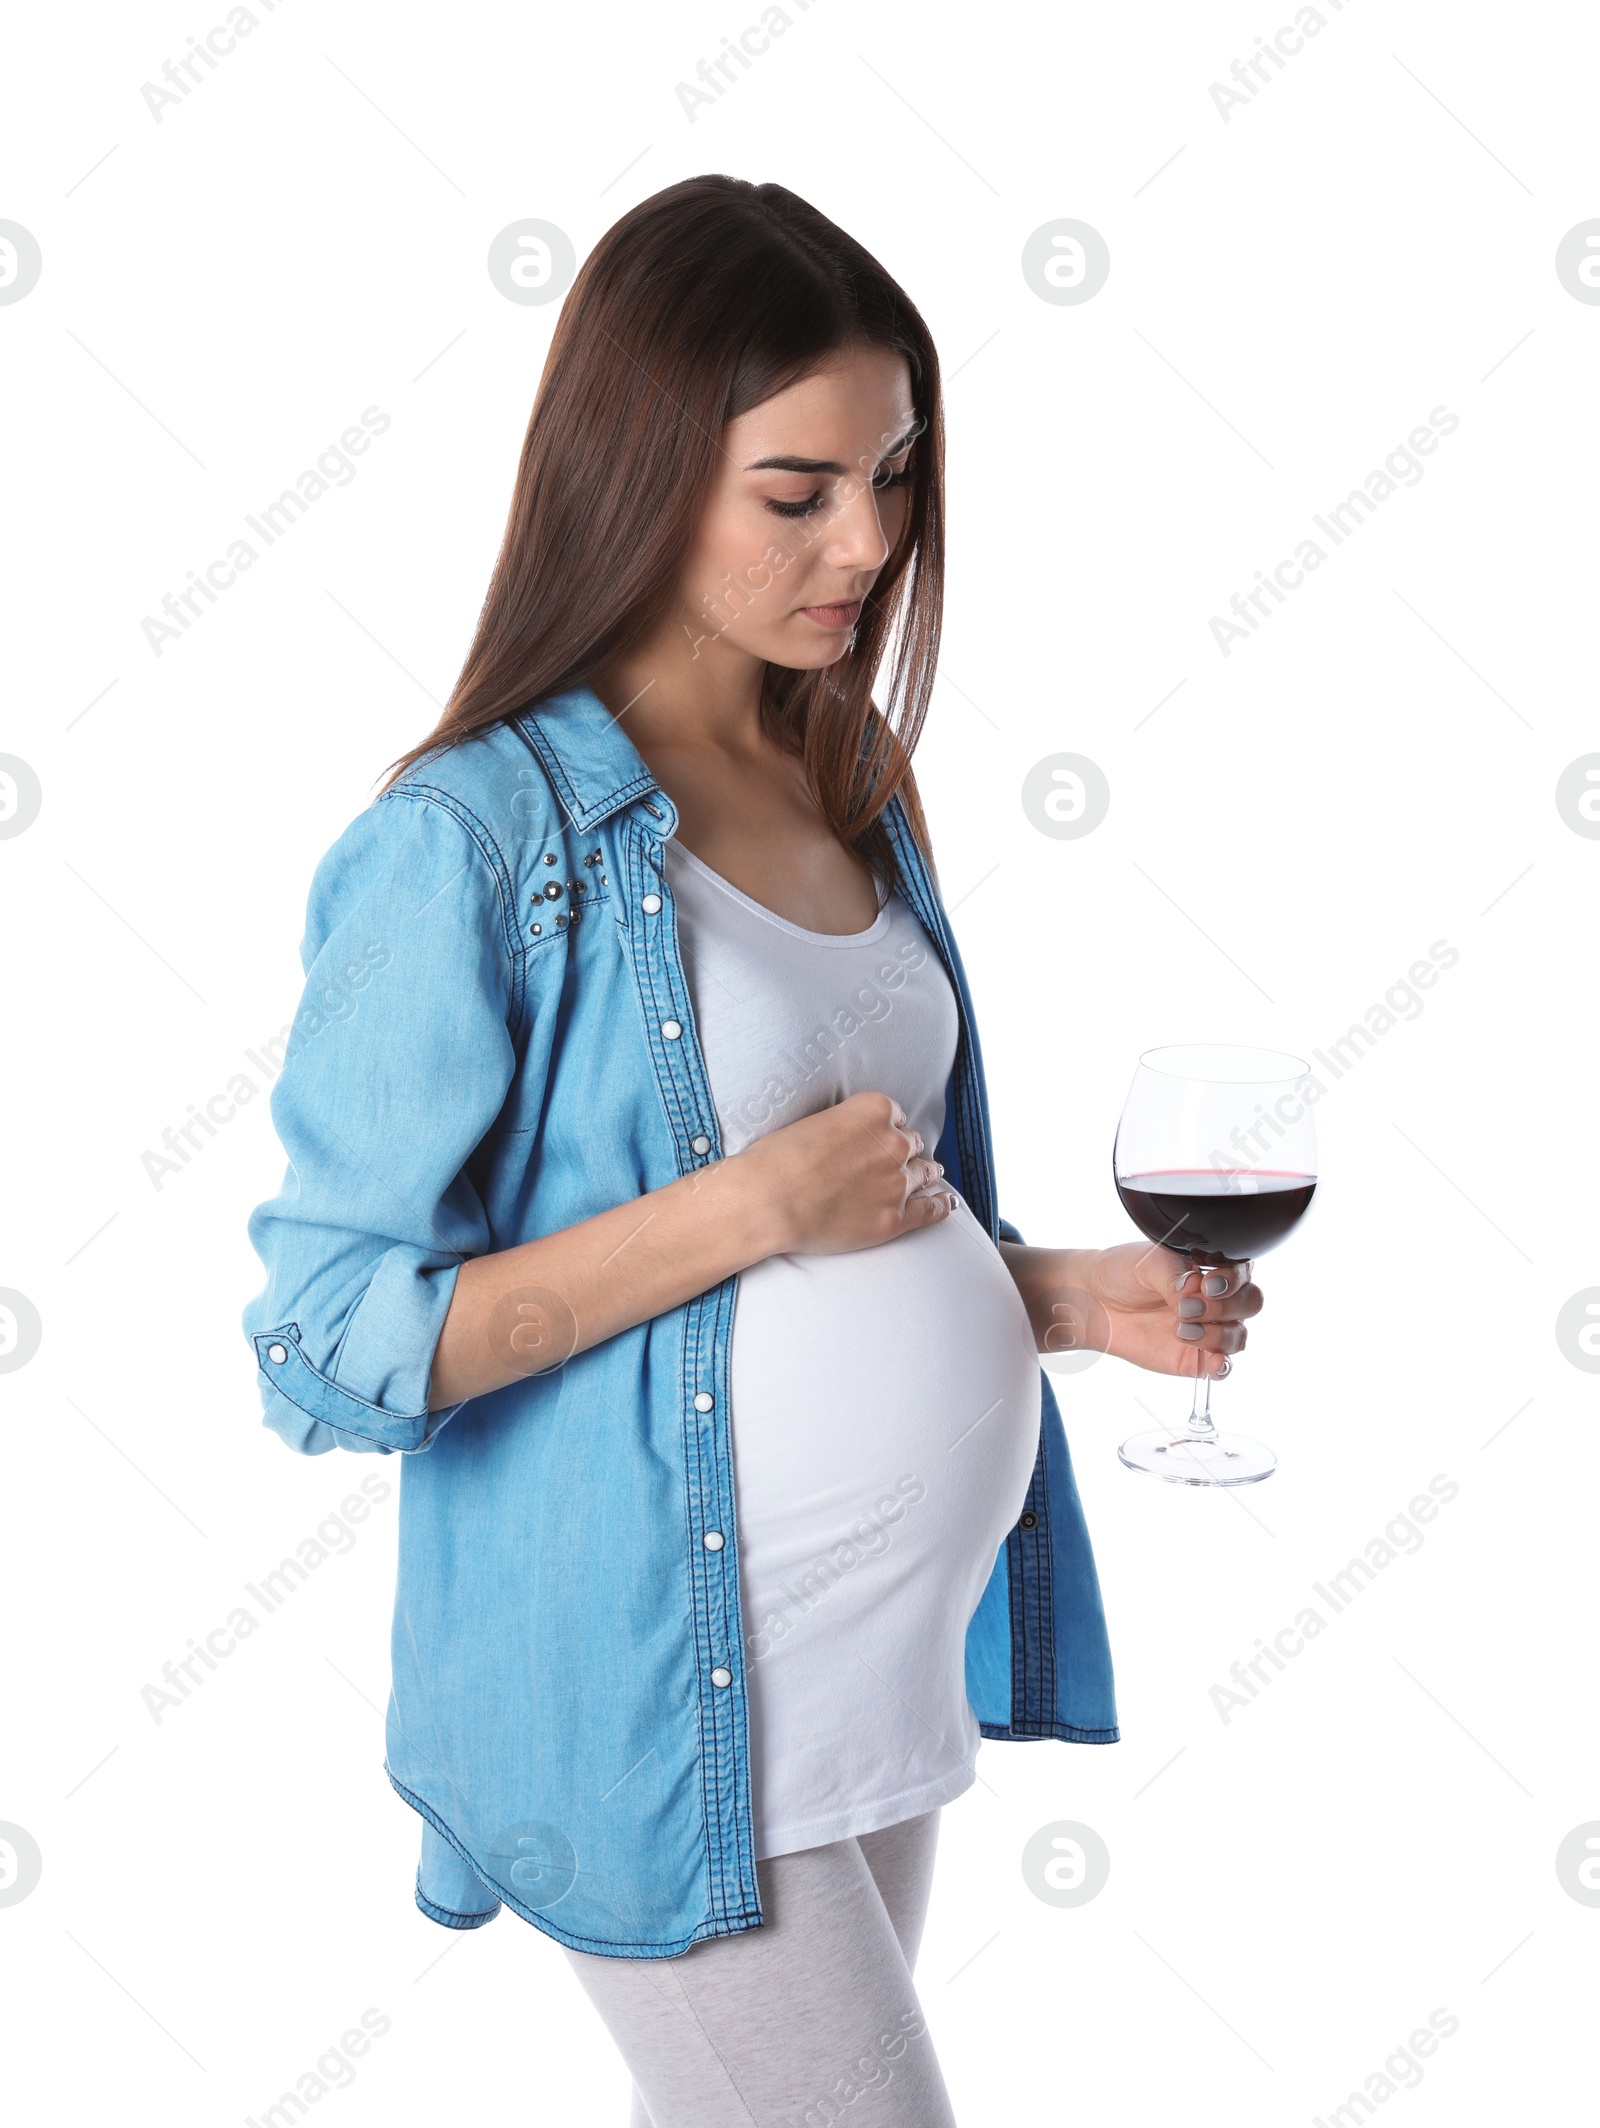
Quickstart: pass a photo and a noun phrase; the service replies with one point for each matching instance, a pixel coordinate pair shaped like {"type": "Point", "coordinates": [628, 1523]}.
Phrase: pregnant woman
{"type": "Point", "coordinates": [640, 1196]}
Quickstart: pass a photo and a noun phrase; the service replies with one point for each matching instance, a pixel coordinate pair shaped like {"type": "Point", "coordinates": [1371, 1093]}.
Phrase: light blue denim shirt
{"type": "Point", "coordinates": [496, 1041]}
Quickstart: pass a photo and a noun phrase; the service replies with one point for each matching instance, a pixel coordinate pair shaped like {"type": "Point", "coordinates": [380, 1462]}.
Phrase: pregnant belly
{"type": "Point", "coordinates": [885, 1406]}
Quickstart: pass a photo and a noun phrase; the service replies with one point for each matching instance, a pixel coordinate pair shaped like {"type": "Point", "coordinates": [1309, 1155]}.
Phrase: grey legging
{"type": "Point", "coordinates": [810, 2019]}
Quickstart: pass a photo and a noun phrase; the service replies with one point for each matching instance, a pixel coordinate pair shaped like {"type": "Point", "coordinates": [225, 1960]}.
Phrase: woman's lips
{"type": "Point", "coordinates": [834, 617]}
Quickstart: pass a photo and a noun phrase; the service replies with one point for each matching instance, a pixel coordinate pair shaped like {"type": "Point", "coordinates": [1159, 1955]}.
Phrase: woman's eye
{"type": "Point", "coordinates": [883, 479]}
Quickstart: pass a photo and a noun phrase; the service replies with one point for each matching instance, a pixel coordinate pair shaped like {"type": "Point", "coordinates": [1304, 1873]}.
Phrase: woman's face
{"type": "Point", "coordinates": [807, 507]}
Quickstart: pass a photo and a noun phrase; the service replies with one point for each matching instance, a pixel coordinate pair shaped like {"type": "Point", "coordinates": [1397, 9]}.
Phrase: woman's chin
{"type": "Point", "coordinates": [825, 648]}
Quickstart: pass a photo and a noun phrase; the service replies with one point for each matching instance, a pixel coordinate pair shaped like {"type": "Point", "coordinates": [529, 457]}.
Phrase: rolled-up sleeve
{"type": "Point", "coordinates": [397, 1064]}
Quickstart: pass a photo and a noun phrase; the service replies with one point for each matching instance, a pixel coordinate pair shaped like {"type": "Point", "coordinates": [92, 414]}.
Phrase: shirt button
{"type": "Point", "coordinates": [713, 1540]}
{"type": "Point", "coordinates": [671, 1029]}
{"type": "Point", "coordinates": [701, 1144]}
{"type": "Point", "coordinates": [722, 1677]}
{"type": "Point", "coordinates": [650, 904]}
{"type": "Point", "coordinates": [704, 1401]}
{"type": "Point", "coordinates": [1028, 1521]}
{"type": "Point", "coordinates": [277, 1354]}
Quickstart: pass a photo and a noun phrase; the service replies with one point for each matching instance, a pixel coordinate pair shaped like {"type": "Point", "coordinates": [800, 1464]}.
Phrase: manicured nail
{"type": "Point", "coordinates": [1219, 1372]}
{"type": "Point", "coordinates": [1191, 1306]}
{"type": "Point", "coordinates": [1191, 1333]}
{"type": "Point", "coordinates": [1215, 1284]}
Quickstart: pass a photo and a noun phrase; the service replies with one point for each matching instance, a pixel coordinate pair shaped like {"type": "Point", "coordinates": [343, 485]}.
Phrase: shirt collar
{"type": "Point", "coordinates": [595, 766]}
{"type": "Point", "coordinates": [597, 769]}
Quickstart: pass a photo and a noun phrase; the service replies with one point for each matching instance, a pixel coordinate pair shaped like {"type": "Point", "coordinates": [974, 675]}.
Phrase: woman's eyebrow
{"type": "Point", "coordinates": [820, 465]}
{"type": "Point", "coordinates": [794, 465]}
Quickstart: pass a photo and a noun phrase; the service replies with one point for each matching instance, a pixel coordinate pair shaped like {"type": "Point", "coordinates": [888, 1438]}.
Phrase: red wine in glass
{"type": "Point", "coordinates": [1216, 1159]}
{"type": "Point", "coordinates": [1217, 1216]}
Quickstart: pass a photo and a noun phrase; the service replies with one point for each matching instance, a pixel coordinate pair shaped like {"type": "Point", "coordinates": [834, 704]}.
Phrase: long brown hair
{"type": "Point", "coordinates": [697, 305]}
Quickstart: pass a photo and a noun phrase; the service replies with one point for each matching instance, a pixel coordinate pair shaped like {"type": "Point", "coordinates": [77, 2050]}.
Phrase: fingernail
{"type": "Point", "coordinates": [1191, 1333]}
{"type": "Point", "coordinates": [1225, 1368]}
{"type": "Point", "coordinates": [1216, 1283]}
{"type": "Point", "coordinates": [1191, 1306]}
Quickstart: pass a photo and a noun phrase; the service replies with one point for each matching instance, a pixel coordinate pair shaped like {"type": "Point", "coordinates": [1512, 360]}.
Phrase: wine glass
{"type": "Point", "coordinates": [1216, 1157]}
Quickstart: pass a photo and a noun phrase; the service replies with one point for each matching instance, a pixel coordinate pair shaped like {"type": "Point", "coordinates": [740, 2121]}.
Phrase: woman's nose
{"type": "Point", "coordinates": [856, 538]}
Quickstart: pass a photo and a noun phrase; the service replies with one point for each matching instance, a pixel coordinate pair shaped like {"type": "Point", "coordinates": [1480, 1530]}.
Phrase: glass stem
{"type": "Point", "coordinates": [1200, 1423]}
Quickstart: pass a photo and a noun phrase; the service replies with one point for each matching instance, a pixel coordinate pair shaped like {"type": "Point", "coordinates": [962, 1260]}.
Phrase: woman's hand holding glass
{"type": "Point", "coordinates": [1152, 1307]}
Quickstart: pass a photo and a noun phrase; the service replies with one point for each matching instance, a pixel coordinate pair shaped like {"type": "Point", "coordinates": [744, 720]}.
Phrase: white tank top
{"type": "Point", "coordinates": [885, 1401]}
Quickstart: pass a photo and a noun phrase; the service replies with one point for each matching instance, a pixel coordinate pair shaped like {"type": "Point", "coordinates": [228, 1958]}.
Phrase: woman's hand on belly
{"type": "Point", "coordinates": [1141, 1303]}
{"type": "Point", "coordinates": [852, 1176]}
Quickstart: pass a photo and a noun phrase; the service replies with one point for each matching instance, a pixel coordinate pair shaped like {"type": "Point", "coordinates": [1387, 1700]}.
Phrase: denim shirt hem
{"type": "Point", "coordinates": [732, 1924]}
{"type": "Point", "coordinates": [1043, 1732]}
{"type": "Point", "coordinates": [446, 1918]}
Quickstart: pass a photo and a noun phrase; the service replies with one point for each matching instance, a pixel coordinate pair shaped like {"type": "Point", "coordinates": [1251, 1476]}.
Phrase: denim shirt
{"type": "Point", "coordinates": [495, 1042]}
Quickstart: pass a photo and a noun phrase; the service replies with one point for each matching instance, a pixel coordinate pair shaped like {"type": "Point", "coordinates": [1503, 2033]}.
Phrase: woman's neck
{"type": "Point", "coordinates": [680, 688]}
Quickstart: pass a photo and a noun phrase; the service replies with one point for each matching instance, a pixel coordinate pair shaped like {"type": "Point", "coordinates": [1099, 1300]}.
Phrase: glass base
{"type": "Point", "coordinates": [1195, 1459]}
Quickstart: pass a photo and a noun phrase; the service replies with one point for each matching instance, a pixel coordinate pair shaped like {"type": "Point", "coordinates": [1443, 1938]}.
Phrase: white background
{"type": "Point", "coordinates": [1371, 236]}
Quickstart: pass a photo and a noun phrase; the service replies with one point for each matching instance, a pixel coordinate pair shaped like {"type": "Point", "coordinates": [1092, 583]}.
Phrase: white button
{"type": "Point", "coordinates": [671, 1030]}
{"type": "Point", "coordinates": [650, 904]}
{"type": "Point", "coordinates": [704, 1401]}
{"type": "Point", "coordinates": [277, 1354]}
{"type": "Point", "coordinates": [722, 1677]}
{"type": "Point", "coordinates": [713, 1540]}
{"type": "Point", "coordinates": [700, 1145]}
